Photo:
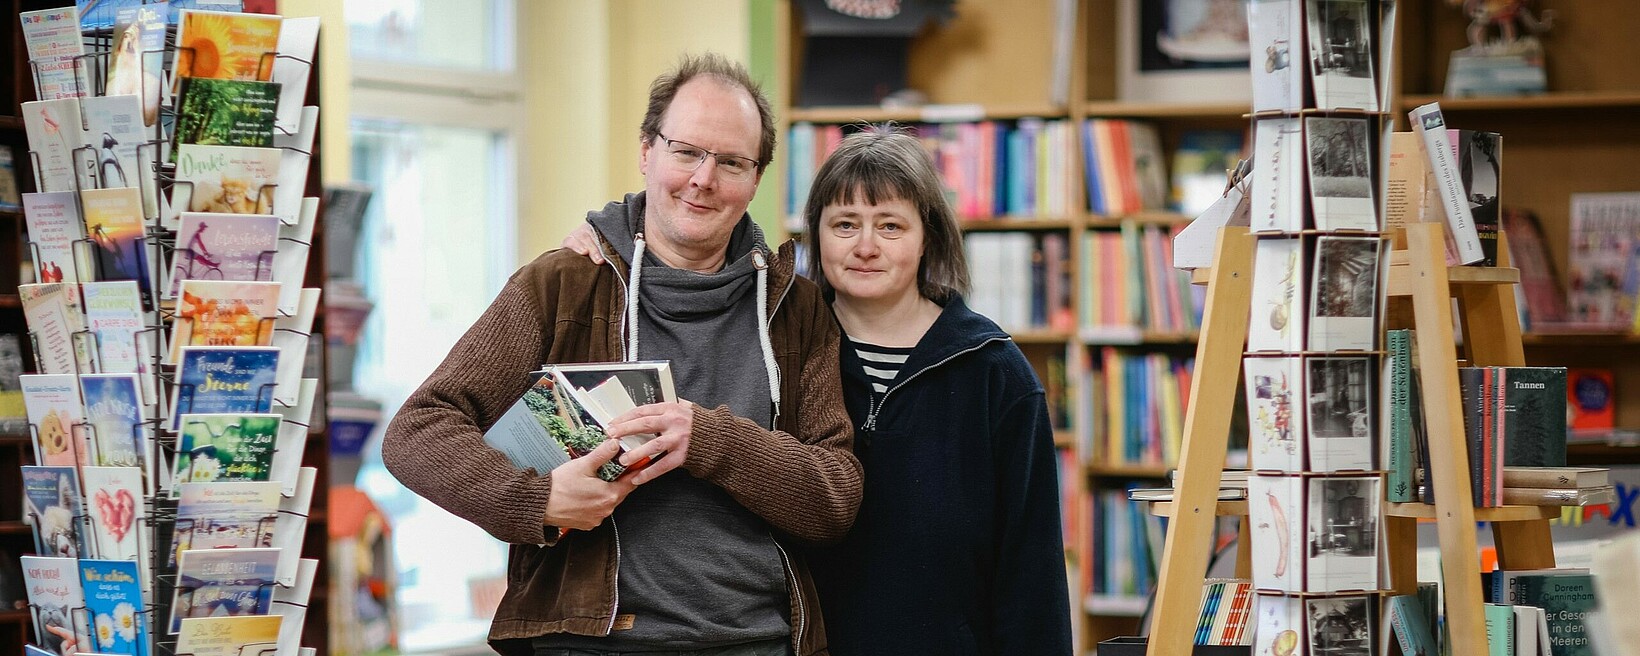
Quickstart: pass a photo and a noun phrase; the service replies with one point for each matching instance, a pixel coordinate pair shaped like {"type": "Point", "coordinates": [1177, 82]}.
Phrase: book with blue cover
{"type": "Point", "coordinates": [113, 605]}
{"type": "Point", "coordinates": [224, 379]}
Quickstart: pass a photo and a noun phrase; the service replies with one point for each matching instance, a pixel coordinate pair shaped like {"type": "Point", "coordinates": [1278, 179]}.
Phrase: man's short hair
{"type": "Point", "coordinates": [711, 64]}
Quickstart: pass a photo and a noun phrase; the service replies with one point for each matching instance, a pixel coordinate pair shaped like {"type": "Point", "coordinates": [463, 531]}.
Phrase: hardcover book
{"type": "Point", "coordinates": [53, 129]}
{"type": "Point", "coordinates": [225, 112]}
{"type": "Point", "coordinates": [1341, 538]}
{"type": "Point", "coordinates": [229, 636]}
{"type": "Point", "coordinates": [1400, 441]}
{"type": "Point", "coordinates": [224, 447]}
{"type": "Point", "coordinates": [1534, 417]}
{"type": "Point", "coordinates": [1275, 417]}
{"type": "Point", "coordinates": [1540, 296]}
{"type": "Point", "coordinates": [114, 222]}
{"type": "Point", "coordinates": [54, 591]}
{"type": "Point", "coordinates": [1566, 598]}
{"type": "Point", "coordinates": [1340, 418]}
{"type": "Point", "coordinates": [1344, 303]}
{"type": "Point", "coordinates": [1277, 196]}
{"type": "Point", "coordinates": [1276, 320]}
{"type": "Point", "coordinates": [137, 61]}
{"type": "Point", "coordinates": [114, 414]}
{"type": "Point", "coordinates": [54, 318]}
{"type": "Point", "coordinates": [52, 503]}
{"type": "Point", "coordinates": [114, 501]}
{"type": "Point", "coordinates": [114, 606]}
{"type": "Point", "coordinates": [224, 379]}
{"type": "Point", "coordinates": [1340, 173]}
{"type": "Point", "coordinates": [1275, 506]}
{"type": "Point", "coordinates": [226, 46]}
{"type": "Point", "coordinates": [113, 313]}
{"type": "Point", "coordinates": [224, 180]}
{"type": "Point", "coordinates": [225, 515]}
{"type": "Point", "coordinates": [1410, 629]}
{"type": "Point", "coordinates": [56, 415]}
{"type": "Point", "coordinates": [220, 313]}
{"type": "Point", "coordinates": [223, 583]}
{"type": "Point", "coordinates": [232, 247]}
{"type": "Point", "coordinates": [52, 38]}
{"type": "Point", "coordinates": [1480, 168]}
{"type": "Point", "coordinates": [53, 222]}
{"type": "Point", "coordinates": [1341, 54]}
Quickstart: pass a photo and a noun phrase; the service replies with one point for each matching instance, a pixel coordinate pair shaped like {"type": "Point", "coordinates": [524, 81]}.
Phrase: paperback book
{"type": "Point", "coordinates": [114, 222]}
{"type": "Point", "coordinates": [1340, 413]}
{"type": "Point", "coordinates": [226, 46]}
{"type": "Point", "coordinates": [223, 313]}
{"type": "Point", "coordinates": [114, 501]}
{"type": "Point", "coordinates": [57, 417]}
{"type": "Point", "coordinates": [1344, 303]}
{"type": "Point", "coordinates": [223, 247]}
{"type": "Point", "coordinates": [52, 38]}
{"type": "Point", "coordinates": [52, 503]}
{"type": "Point", "coordinates": [555, 419]}
{"type": "Point", "coordinates": [114, 414]}
{"type": "Point", "coordinates": [224, 515]}
{"type": "Point", "coordinates": [224, 380]}
{"type": "Point", "coordinates": [54, 225]}
{"type": "Point", "coordinates": [225, 112]}
{"type": "Point", "coordinates": [225, 448]}
{"type": "Point", "coordinates": [1465, 245]}
{"type": "Point", "coordinates": [54, 591]}
{"type": "Point", "coordinates": [114, 606]}
{"type": "Point", "coordinates": [223, 583]}
{"type": "Point", "coordinates": [54, 320]}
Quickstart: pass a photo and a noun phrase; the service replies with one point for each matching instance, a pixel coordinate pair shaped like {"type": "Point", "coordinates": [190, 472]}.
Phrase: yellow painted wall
{"type": "Point", "coordinates": [586, 67]}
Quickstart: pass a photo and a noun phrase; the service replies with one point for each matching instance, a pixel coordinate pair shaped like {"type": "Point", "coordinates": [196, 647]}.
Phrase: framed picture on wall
{"type": "Point", "coordinates": [1182, 51]}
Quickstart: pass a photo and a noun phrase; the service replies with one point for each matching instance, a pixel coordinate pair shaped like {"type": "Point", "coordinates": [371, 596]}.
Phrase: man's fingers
{"type": "Point", "coordinates": [656, 470]}
{"type": "Point", "coordinates": [597, 457]}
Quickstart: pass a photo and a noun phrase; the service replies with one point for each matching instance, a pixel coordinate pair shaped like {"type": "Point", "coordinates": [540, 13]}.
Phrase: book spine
{"type": "Point", "coordinates": [1471, 381]}
{"type": "Point", "coordinates": [1400, 418]}
{"type": "Point", "coordinates": [1429, 122]}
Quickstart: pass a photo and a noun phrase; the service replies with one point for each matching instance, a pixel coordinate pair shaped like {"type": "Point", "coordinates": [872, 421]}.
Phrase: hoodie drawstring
{"type": "Point", "coordinates": [762, 265]}
{"type": "Point", "coordinates": [632, 298]}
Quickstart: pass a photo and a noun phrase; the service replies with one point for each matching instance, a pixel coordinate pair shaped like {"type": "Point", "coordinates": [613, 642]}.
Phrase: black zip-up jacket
{"type": "Point", "coordinates": [956, 549]}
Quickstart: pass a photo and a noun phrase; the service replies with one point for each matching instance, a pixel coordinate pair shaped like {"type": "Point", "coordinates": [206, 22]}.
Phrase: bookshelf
{"type": "Point", "coordinates": [16, 624]}
{"type": "Point", "coordinates": [995, 61]}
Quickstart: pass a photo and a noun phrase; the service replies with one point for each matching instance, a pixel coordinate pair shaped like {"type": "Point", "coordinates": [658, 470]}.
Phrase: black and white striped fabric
{"type": "Point", "coordinates": [881, 363]}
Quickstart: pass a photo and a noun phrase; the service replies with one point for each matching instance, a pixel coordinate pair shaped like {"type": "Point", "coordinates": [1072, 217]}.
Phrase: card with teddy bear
{"type": "Point", "coordinates": [223, 180]}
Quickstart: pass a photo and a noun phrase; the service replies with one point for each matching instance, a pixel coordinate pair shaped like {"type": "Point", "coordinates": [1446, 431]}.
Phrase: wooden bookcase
{"type": "Point", "coordinates": [996, 57]}
{"type": "Point", "coordinates": [16, 538]}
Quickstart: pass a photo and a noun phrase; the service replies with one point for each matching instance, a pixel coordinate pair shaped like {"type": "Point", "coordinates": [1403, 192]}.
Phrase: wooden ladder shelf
{"type": "Point", "coordinates": [1421, 287]}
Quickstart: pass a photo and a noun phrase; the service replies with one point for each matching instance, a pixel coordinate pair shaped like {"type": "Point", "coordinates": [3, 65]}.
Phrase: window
{"type": "Point", "coordinates": [436, 114]}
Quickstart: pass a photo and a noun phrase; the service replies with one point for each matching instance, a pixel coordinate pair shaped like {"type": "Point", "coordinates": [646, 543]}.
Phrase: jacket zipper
{"type": "Point", "coordinates": [797, 593]}
{"type": "Point", "coordinates": [877, 406]}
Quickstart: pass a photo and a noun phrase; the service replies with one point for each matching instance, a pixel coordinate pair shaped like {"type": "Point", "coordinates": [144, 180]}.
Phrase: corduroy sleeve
{"type": "Point", "coordinates": [806, 484]}
{"type": "Point", "coordinates": [435, 444]}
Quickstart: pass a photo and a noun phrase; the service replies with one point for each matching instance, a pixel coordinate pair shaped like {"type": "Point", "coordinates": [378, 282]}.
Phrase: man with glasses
{"type": "Point", "coordinates": [689, 555]}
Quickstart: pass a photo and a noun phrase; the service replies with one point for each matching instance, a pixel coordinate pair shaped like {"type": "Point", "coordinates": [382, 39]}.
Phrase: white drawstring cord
{"type": "Point", "coordinates": [632, 297]}
{"type": "Point", "coordinates": [763, 319]}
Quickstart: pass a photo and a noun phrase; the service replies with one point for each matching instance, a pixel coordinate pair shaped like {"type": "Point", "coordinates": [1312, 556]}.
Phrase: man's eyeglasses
{"type": "Point", "coordinates": [685, 156]}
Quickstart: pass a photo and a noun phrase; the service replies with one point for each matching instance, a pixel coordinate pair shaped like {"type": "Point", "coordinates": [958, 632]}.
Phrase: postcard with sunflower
{"type": "Point", "coordinates": [226, 46]}
{"type": "Point", "coordinates": [113, 601]}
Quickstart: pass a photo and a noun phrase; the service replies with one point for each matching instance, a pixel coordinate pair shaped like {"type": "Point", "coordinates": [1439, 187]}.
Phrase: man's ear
{"type": "Point", "coordinates": [643, 155]}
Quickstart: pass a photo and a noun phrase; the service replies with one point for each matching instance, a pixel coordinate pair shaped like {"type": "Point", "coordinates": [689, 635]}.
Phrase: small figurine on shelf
{"type": "Point", "coordinates": [1509, 63]}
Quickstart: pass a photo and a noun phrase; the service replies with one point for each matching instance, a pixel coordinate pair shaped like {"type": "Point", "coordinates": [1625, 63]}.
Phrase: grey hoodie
{"type": "Point", "coordinates": [697, 569]}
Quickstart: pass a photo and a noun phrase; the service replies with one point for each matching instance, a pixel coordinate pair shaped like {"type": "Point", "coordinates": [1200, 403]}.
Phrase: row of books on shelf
{"type": "Point", "coordinates": [1127, 281]}
{"type": "Point", "coordinates": [1026, 168]}
{"type": "Point", "coordinates": [1132, 406]}
{"type": "Point", "coordinates": [1601, 291]}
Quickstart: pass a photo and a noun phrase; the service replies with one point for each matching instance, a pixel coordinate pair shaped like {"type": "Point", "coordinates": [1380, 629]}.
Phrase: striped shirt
{"type": "Point", "coordinates": [881, 363]}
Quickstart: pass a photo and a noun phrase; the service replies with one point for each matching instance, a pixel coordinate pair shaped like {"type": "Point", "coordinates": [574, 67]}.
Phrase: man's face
{"type": "Point", "coordinates": [693, 213]}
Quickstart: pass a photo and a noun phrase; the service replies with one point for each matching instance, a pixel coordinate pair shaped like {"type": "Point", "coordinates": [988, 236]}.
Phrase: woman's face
{"type": "Point", "coordinates": [871, 252]}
